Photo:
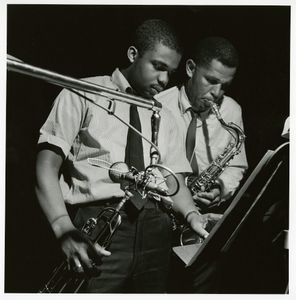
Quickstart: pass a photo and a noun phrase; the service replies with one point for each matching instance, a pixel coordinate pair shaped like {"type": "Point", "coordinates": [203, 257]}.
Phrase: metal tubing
{"type": "Point", "coordinates": [70, 82]}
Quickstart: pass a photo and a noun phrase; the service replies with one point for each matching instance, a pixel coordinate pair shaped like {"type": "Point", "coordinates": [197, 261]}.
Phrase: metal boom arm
{"type": "Point", "coordinates": [70, 82]}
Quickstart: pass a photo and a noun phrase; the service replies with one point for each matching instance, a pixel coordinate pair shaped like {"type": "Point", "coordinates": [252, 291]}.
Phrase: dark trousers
{"type": "Point", "coordinates": [140, 249]}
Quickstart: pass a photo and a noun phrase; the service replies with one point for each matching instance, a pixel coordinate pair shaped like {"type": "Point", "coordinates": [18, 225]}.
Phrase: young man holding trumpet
{"type": "Point", "coordinates": [137, 259]}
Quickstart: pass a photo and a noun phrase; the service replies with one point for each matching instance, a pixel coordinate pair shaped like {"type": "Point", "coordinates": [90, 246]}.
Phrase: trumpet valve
{"type": "Point", "coordinates": [89, 225]}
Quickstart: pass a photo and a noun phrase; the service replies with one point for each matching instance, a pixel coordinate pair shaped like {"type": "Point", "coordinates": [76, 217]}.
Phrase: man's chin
{"type": "Point", "coordinates": [148, 95]}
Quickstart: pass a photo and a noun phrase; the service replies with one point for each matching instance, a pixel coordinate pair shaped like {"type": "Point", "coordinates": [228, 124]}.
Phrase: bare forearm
{"type": "Point", "coordinates": [183, 202]}
{"type": "Point", "coordinates": [49, 194]}
{"type": "Point", "coordinates": [76, 246]}
{"type": "Point", "coordinates": [184, 206]}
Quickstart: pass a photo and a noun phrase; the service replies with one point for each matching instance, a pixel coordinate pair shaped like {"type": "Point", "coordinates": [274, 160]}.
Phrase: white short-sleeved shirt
{"type": "Point", "coordinates": [83, 130]}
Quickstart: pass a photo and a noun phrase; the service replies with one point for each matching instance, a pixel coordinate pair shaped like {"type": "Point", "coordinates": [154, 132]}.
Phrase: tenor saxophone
{"type": "Point", "coordinates": [208, 177]}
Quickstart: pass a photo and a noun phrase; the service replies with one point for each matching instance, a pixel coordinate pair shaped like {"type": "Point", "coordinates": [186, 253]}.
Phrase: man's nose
{"type": "Point", "coordinates": [215, 91]}
{"type": "Point", "coordinates": [163, 78]}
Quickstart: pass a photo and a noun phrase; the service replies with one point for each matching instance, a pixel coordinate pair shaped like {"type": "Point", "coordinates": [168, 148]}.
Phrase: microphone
{"type": "Point", "coordinates": [119, 172]}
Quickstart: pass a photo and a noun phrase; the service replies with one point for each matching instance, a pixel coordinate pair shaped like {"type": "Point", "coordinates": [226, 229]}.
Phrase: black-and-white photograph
{"type": "Point", "coordinates": [147, 149]}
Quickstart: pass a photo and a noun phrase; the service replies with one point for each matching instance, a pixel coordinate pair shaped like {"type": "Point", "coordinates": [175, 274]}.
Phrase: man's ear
{"type": "Point", "coordinates": [190, 67]}
{"type": "Point", "coordinates": [132, 53]}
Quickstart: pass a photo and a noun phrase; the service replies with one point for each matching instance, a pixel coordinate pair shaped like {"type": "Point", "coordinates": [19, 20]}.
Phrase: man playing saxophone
{"type": "Point", "coordinates": [210, 70]}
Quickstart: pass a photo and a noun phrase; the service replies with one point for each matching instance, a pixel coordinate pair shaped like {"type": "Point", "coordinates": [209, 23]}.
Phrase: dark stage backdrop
{"type": "Point", "coordinates": [82, 41]}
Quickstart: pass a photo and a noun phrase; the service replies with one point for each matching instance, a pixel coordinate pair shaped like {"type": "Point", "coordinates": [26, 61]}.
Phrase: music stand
{"type": "Point", "coordinates": [240, 210]}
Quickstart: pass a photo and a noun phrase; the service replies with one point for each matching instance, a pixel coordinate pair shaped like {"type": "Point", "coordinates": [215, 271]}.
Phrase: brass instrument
{"type": "Point", "coordinates": [207, 178]}
{"type": "Point", "coordinates": [65, 280]}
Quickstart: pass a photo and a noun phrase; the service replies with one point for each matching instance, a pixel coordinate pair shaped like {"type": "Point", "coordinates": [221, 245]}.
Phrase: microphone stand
{"type": "Point", "coordinates": [155, 122]}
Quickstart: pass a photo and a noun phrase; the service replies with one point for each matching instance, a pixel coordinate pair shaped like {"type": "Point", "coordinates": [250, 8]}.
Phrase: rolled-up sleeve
{"type": "Point", "coordinates": [64, 121]}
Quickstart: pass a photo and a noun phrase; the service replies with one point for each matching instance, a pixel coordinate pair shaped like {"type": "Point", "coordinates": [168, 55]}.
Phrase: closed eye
{"type": "Point", "coordinates": [163, 68]}
{"type": "Point", "coordinates": [213, 81]}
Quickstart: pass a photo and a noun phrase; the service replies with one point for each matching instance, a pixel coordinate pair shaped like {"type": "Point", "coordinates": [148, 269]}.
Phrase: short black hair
{"type": "Point", "coordinates": [154, 32]}
{"type": "Point", "coordinates": [215, 48]}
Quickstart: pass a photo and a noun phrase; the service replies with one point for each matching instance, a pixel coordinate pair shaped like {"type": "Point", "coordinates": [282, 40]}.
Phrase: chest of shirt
{"type": "Point", "coordinates": [104, 135]}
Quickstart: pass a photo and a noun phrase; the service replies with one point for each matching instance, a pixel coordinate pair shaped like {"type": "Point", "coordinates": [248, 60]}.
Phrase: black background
{"type": "Point", "coordinates": [88, 40]}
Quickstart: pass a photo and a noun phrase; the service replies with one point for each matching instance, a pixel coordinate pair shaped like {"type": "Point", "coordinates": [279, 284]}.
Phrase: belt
{"type": "Point", "coordinates": [112, 202]}
{"type": "Point", "coordinates": [151, 202]}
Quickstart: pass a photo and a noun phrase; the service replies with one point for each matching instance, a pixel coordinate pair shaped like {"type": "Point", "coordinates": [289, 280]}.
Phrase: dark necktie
{"type": "Point", "coordinates": [190, 142]}
{"type": "Point", "coordinates": [134, 152]}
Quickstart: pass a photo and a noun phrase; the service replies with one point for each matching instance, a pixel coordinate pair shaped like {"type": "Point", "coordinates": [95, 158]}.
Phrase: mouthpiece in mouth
{"type": "Point", "coordinates": [211, 102]}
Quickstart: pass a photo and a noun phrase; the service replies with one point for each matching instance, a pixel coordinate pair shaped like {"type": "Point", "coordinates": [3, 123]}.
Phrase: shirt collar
{"type": "Point", "coordinates": [120, 81]}
{"type": "Point", "coordinates": [184, 103]}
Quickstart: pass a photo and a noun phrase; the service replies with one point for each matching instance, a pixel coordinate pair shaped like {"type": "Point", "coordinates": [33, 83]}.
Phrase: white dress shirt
{"type": "Point", "coordinates": [211, 137]}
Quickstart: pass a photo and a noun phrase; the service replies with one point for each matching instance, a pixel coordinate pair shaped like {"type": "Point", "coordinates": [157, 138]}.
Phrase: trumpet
{"type": "Point", "coordinates": [65, 280]}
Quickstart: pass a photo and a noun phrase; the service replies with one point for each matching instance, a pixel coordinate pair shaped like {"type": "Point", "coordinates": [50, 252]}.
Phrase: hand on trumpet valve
{"type": "Point", "coordinates": [82, 255]}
